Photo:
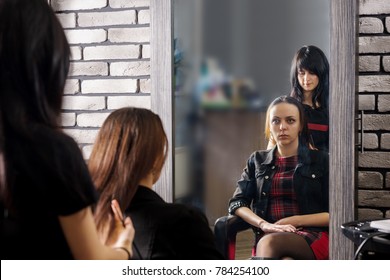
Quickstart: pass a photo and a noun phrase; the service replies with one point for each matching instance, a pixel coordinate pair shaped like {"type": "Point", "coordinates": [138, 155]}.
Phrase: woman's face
{"type": "Point", "coordinates": [285, 124]}
{"type": "Point", "coordinates": [307, 80]}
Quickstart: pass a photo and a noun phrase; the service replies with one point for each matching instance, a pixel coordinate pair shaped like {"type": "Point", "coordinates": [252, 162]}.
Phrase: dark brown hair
{"type": "Point", "coordinates": [130, 145]}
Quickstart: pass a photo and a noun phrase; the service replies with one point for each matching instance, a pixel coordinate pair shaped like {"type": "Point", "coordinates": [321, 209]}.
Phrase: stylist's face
{"type": "Point", "coordinates": [285, 125]}
{"type": "Point", "coordinates": [307, 80]}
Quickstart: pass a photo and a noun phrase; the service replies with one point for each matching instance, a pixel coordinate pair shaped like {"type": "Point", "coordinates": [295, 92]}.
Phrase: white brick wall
{"type": "Point", "coordinates": [86, 150]}
{"type": "Point", "coordinates": [83, 102]}
{"type": "Point", "coordinates": [91, 119]}
{"type": "Point", "coordinates": [106, 18]}
{"type": "Point", "coordinates": [110, 62]}
{"type": "Point", "coordinates": [75, 53]}
{"type": "Point", "coordinates": [86, 36]}
{"type": "Point", "coordinates": [370, 25]}
{"type": "Point", "coordinates": [129, 3]}
{"type": "Point", "coordinates": [68, 119]}
{"type": "Point", "coordinates": [133, 68]}
{"type": "Point", "coordinates": [66, 5]}
{"type": "Point", "coordinates": [146, 51]}
{"type": "Point", "coordinates": [112, 52]}
{"type": "Point", "coordinates": [144, 17]}
{"type": "Point", "coordinates": [116, 102]}
{"type": "Point", "coordinates": [137, 35]}
{"type": "Point", "coordinates": [67, 20]}
{"type": "Point", "coordinates": [72, 86]}
{"type": "Point", "coordinates": [145, 86]}
{"type": "Point", "coordinates": [109, 86]}
{"type": "Point", "coordinates": [89, 68]}
{"type": "Point", "coordinates": [85, 136]}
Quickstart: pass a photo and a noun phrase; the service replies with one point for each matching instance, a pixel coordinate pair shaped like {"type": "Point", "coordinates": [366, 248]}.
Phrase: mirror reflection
{"type": "Point", "coordinates": [231, 59]}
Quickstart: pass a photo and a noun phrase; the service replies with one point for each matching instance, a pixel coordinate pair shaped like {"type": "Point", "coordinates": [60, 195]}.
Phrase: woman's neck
{"type": "Point", "coordinates": [307, 98]}
{"type": "Point", "coordinates": [147, 181]}
{"type": "Point", "coordinates": [287, 150]}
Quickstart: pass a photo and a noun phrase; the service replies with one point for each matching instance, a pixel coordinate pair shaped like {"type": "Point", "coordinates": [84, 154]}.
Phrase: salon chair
{"type": "Point", "coordinates": [225, 232]}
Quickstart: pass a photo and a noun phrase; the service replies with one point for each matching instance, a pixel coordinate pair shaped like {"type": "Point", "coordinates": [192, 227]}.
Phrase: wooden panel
{"type": "Point", "coordinates": [161, 83]}
{"type": "Point", "coordinates": [343, 107]}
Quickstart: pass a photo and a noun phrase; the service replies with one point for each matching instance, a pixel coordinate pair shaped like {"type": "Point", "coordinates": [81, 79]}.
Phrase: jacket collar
{"type": "Point", "coordinates": [305, 155]}
{"type": "Point", "coordinates": [270, 156]}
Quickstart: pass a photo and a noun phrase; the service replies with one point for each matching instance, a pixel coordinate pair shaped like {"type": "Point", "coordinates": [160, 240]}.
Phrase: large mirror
{"type": "Point", "coordinates": [231, 59]}
{"type": "Point", "coordinates": [171, 71]}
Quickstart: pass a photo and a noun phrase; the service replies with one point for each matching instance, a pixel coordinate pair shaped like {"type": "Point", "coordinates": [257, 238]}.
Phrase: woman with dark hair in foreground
{"type": "Point", "coordinates": [46, 192]}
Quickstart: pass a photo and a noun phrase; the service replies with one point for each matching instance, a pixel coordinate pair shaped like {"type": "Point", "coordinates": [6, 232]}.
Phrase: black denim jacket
{"type": "Point", "coordinates": [310, 179]}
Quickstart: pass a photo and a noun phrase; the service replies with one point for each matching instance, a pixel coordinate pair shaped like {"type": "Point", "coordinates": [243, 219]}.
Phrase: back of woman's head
{"type": "Point", "coordinates": [130, 145]}
{"type": "Point", "coordinates": [34, 62]}
{"type": "Point", "coordinates": [304, 136]}
{"type": "Point", "coordinates": [312, 59]}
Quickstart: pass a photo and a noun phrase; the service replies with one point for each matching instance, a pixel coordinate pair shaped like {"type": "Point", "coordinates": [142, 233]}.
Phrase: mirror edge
{"type": "Point", "coordinates": [161, 35]}
{"type": "Point", "coordinates": [343, 101]}
{"type": "Point", "coordinates": [342, 138]}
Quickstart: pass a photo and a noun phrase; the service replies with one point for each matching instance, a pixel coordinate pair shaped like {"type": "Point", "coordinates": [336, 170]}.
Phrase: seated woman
{"type": "Point", "coordinates": [283, 192]}
{"type": "Point", "coordinates": [126, 161]}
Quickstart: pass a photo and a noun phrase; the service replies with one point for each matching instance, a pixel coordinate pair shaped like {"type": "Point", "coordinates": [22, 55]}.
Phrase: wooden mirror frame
{"type": "Point", "coordinates": [343, 110]}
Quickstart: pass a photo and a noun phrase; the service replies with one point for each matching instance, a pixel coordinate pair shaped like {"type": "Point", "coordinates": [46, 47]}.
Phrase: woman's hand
{"type": "Point", "coordinates": [123, 234]}
{"type": "Point", "coordinates": [296, 221]}
{"type": "Point", "coordinates": [308, 220]}
{"type": "Point", "coordinates": [268, 227]}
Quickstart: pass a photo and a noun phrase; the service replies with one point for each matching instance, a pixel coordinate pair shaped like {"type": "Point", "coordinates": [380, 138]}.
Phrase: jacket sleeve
{"type": "Point", "coordinates": [246, 187]}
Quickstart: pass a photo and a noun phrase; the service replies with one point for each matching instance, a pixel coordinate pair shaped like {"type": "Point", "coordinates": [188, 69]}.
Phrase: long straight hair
{"type": "Point", "coordinates": [312, 59]}
{"type": "Point", "coordinates": [304, 136]}
{"type": "Point", "coordinates": [34, 63]}
{"type": "Point", "coordinates": [130, 145]}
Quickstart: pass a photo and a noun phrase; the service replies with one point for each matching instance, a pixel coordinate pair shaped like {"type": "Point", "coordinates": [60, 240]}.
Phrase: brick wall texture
{"type": "Point", "coordinates": [110, 63]}
{"type": "Point", "coordinates": [374, 100]}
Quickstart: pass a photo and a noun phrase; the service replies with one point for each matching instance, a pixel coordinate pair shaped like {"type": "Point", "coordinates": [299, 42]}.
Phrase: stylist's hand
{"type": "Point", "coordinates": [268, 227]}
{"type": "Point", "coordinates": [124, 229]}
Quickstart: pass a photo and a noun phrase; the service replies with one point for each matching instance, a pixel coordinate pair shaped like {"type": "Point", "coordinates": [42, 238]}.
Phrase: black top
{"type": "Point", "coordinates": [169, 231]}
{"type": "Point", "coordinates": [318, 123]}
{"type": "Point", "coordinates": [50, 179]}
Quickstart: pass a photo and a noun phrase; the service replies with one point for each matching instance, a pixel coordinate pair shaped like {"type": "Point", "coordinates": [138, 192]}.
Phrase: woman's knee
{"type": "Point", "coordinates": [269, 242]}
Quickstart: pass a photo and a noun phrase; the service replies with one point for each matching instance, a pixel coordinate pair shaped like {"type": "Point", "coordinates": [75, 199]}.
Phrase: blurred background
{"type": "Point", "coordinates": [231, 59]}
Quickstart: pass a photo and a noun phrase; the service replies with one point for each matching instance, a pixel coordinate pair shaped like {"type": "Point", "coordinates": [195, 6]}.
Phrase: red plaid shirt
{"type": "Point", "coordinates": [282, 199]}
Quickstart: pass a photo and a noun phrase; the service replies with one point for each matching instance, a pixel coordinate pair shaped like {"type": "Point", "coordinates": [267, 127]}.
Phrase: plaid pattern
{"type": "Point", "coordinates": [282, 199]}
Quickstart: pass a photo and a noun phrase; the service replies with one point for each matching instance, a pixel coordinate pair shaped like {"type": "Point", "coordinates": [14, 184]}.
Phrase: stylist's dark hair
{"type": "Point", "coordinates": [34, 63]}
{"type": "Point", "coordinates": [304, 137]}
{"type": "Point", "coordinates": [312, 59]}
